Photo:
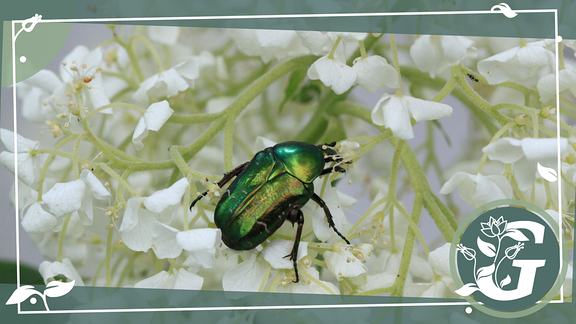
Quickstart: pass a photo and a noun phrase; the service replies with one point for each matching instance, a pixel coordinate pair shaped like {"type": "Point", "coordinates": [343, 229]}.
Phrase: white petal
{"type": "Point", "coordinates": [140, 237]}
{"type": "Point", "coordinates": [333, 73]}
{"type": "Point", "coordinates": [543, 148]}
{"type": "Point", "coordinates": [167, 35]}
{"type": "Point", "coordinates": [45, 80]}
{"type": "Point", "coordinates": [507, 150]}
{"type": "Point", "coordinates": [439, 259]}
{"type": "Point", "coordinates": [37, 220]}
{"type": "Point", "coordinates": [547, 87]}
{"type": "Point", "coordinates": [344, 264]}
{"type": "Point", "coordinates": [427, 110]}
{"type": "Point", "coordinates": [140, 133]}
{"type": "Point", "coordinates": [65, 198]}
{"type": "Point", "coordinates": [93, 59]}
{"type": "Point", "coordinates": [276, 251]}
{"type": "Point", "coordinates": [171, 196]}
{"type": "Point", "coordinates": [374, 73]}
{"type": "Point", "coordinates": [201, 239]}
{"type": "Point", "coordinates": [161, 280]}
{"type": "Point", "coordinates": [246, 276]}
{"type": "Point", "coordinates": [187, 280]}
{"type": "Point", "coordinates": [275, 38]}
{"type": "Point", "coordinates": [525, 173]}
{"type": "Point", "coordinates": [164, 242]}
{"type": "Point", "coordinates": [98, 98]}
{"type": "Point", "coordinates": [378, 111]}
{"type": "Point", "coordinates": [397, 117]}
{"type": "Point", "coordinates": [454, 181]}
{"type": "Point", "coordinates": [490, 188]}
{"type": "Point", "coordinates": [157, 114]}
{"type": "Point", "coordinates": [78, 54]}
{"type": "Point", "coordinates": [424, 54]}
{"type": "Point", "coordinates": [24, 144]}
{"type": "Point", "coordinates": [98, 189]}
{"type": "Point", "coordinates": [130, 219]}
{"type": "Point", "coordinates": [317, 42]}
{"type": "Point", "coordinates": [52, 269]}
{"type": "Point", "coordinates": [189, 69]}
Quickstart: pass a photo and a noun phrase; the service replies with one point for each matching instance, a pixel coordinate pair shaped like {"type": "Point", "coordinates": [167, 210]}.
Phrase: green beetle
{"type": "Point", "coordinates": [270, 189]}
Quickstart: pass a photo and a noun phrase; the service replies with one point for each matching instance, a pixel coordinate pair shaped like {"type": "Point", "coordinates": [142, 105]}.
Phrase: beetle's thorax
{"type": "Point", "coordinates": [302, 160]}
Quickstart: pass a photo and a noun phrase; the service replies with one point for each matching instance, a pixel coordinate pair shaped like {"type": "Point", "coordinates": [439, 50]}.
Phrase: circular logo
{"type": "Point", "coordinates": [506, 258]}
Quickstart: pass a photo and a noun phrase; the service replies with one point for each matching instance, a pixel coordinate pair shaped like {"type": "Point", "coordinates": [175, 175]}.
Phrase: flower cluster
{"type": "Point", "coordinates": [149, 122]}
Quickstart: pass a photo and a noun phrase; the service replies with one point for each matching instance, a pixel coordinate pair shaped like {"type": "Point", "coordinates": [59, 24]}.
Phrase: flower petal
{"type": "Point", "coordinates": [167, 35]}
{"type": "Point", "coordinates": [164, 242]}
{"type": "Point", "coordinates": [37, 220]}
{"type": "Point", "coordinates": [65, 198]}
{"type": "Point", "coordinates": [171, 196]}
{"type": "Point", "coordinates": [65, 268]}
{"type": "Point", "coordinates": [246, 276]}
{"type": "Point", "coordinates": [427, 110]}
{"type": "Point", "coordinates": [507, 150]}
{"type": "Point", "coordinates": [276, 253]}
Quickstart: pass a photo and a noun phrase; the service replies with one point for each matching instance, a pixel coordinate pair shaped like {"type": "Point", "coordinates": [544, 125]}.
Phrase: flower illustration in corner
{"type": "Point", "coordinates": [53, 289]}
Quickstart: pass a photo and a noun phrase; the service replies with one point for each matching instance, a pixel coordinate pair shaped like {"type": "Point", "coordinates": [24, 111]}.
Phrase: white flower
{"type": "Point", "coordinates": [79, 72]}
{"type": "Point", "coordinates": [35, 93]}
{"type": "Point", "coordinates": [308, 286]}
{"type": "Point", "coordinates": [335, 201]}
{"type": "Point", "coordinates": [477, 189]}
{"type": "Point", "coordinates": [136, 228]}
{"type": "Point", "coordinates": [333, 71]}
{"type": "Point", "coordinates": [547, 85]}
{"type": "Point", "coordinates": [525, 154]}
{"type": "Point", "coordinates": [276, 251]}
{"type": "Point", "coordinates": [168, 83]}
{"type": "Point", "coordinates": [152, 120]}
{"type": "Point", "coordinates": [49, 270]}
{"type": "Point", "coordinates": [386, 266]}
{"type": "Point", "coordinates": [520, 64]}
{"type": "Point", "coordinates": [37, 220]}
{"type": "Point", "coordinates": [246, 276]}
{"type": "Point", "coordinates": [319, 43]}
{"type": "Point", "coordinates": [443, 286]}
{"type": "Point", "coordinates": [269, 44]}
{"type": "Point", "coordinates": [395, 112]}
{"type": "Point", "coordinates": [348, 36]}
{"type": "Point", "coordinates": [437, 54]}
{"type": "Point", "coordinates": [374, 72]}
{"type": "Point", "coordinates": [166, 35]}
{"type": "Point", "coordinates": [65, 198]}
{"type": "Point", "coordinates": [168, 242]}
{"type": "Point", "coordinates": [343, 263]}
{"type": "Point", "coordinates": [178, 279]}
{"type": "Point", "coordinates": [29, 165]}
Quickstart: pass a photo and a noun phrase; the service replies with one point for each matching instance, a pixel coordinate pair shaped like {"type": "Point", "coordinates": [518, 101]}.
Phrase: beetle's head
{"type": "Point", "coordinates": [328, 150]}
{"type": "Point", "coordinates": [341, 152]}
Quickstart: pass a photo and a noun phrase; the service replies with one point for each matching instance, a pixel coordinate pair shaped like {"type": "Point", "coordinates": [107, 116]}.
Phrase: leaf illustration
{"type": "Point", "coordinates": [516, 235]}
{"type": "Point", "coordinates": [547, 173]}
{"type": "Point", "coordinates": [505, 281]}
{"type": "Point", "coordinates": [488, 249]}
{"type": "Point", "coordinates": [58, 288]}
{"type": "Point", "coordinates": [21, 294]}
{"type": "Point", "coordinates": [485, 271]}
{"type": "Point", "coordinates": [467, 289]}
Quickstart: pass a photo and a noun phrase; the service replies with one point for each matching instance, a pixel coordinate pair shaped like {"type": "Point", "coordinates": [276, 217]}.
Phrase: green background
{"type": "Point", "coordinates": [532, 25]}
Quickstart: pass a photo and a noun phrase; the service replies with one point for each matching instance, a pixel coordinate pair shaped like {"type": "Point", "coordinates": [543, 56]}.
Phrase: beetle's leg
{"type": "Point", "coordinates": [334, 169]}
{"type": "Point", "coordinates": [322, 204]}
{"type": "Point", "coordinates": [296, 215]}
{"type": "Point", "coordinates": [227, 177]}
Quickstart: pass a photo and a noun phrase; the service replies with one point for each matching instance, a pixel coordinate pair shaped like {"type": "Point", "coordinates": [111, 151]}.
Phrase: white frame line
{"type": "Point", "coordinates": [379, 14]}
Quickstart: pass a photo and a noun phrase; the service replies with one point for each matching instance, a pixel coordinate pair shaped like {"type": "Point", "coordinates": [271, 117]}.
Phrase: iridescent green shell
{"type": "Point", "coordinates": [258, 201]}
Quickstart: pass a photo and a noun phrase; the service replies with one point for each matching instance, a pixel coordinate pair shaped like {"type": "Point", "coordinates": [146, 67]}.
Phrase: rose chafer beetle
{"type": "Point", "coordinates": [270, 189]}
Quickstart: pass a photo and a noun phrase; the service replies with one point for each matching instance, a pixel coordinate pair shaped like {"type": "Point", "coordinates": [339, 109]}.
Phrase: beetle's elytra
{"type": "Point", "coordinates": [270, 189]}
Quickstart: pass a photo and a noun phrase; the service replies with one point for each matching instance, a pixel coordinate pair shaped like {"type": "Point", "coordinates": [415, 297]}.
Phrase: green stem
{"type": "Point", "coordinates": [49, 161]}
{"type": "Point", "coordinates": [109, 254]}
{"type": "Point", "coordinates": [62, 237]}
{"type": "Point", "coordinates": [396, 64]}
{"type": "Point", "coordinates": [75, 165]}
{"type": "Point", "coordinates": [118, 178]}
{"type": "Point", "coordinates": [194, 119]}
{"type": "Point", "coordinates": [151, 48]}
{"type": "Point", "coordinates": [494, 138]}
{"type": "Point", "coordinates": [112, 105]}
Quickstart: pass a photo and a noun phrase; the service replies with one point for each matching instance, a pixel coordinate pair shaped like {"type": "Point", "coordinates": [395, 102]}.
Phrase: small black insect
{"type": "Point", "coordinates": [473, 78]}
